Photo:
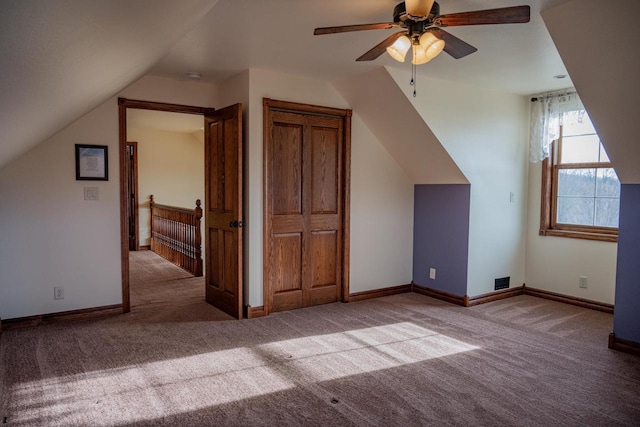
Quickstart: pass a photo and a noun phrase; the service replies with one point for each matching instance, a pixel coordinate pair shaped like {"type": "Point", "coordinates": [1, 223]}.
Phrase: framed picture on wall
{"type": "Point", "coordinates": [92, 162]}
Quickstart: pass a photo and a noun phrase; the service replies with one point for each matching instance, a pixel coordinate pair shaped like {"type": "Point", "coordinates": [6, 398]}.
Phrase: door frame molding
{"type": "Point", "coordinates": [270, 105]}
{"type": "Point", "coordinates": [134, 169]}
{"type": "Point", "coordinates": [123, 104]}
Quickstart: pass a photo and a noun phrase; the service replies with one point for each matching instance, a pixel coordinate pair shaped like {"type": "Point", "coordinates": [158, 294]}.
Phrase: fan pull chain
{"type": "Point", "coordinates": [415, 81]}
{"type": "Point", "coordinates": [414, 77]}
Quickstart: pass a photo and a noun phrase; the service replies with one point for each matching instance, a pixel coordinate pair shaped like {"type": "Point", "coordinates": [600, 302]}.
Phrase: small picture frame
{"type": "Point", "coordinates": [92, 162]}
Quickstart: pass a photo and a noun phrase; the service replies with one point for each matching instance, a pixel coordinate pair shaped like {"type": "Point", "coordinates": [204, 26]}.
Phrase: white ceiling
{"type": "Point", "coordinates": [608, 86]}
{"type": "Point", "coordinates": [59, 59]}
{"type": "Point", "coordinates": [278, 35]}
{"type": "Point", "coordinates": [62, 58]}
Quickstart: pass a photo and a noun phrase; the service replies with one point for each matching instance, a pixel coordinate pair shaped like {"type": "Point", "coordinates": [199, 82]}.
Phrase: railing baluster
{"type": "Point", "coordinates": [175, 235]}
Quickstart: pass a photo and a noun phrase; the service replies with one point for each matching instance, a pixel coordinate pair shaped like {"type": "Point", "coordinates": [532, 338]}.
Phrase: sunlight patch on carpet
{"type": "Point", "coordinates": [164, 388]}
{"type": "Point", "coordinates": [125, 395]}
{"type": "Point", "coordinates": [342, 354]}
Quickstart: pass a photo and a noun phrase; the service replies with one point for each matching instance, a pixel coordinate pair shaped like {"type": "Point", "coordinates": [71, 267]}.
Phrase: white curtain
{"type": "Point", "coordinates": [546, 118]}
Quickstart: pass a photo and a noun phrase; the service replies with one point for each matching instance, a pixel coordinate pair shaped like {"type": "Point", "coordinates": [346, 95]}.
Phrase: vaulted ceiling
{"type": "Point", "coordinates": [61, 58]}
{"type": "Point", "coordinates": [605, 66]}
{"type": "Point", "coordinates": [278, 35]}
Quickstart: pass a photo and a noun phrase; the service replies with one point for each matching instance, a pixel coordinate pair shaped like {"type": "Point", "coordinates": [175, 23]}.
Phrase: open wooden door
{"type": "Point", "coordinates": [223, 209]}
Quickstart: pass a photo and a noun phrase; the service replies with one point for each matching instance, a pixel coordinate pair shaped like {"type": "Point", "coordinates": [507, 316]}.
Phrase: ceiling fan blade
{"type": "Point", "coordinates": [380, 48]}
{"type": "Point", "coordinates": [453, 45]}
{"type": "Point", "coordinates": [418, 7]}
{"type": "Point", "coordinates": [349, 28]}
{"type": "Point", "coordinates": [504, 15]}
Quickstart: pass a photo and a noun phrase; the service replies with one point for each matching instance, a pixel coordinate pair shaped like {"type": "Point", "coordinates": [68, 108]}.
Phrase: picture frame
{"type": "Point", "coordinates": [92, 162]}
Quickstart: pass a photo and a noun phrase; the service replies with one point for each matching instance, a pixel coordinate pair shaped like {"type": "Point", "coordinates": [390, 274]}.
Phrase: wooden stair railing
{"type": "Point", "coordinates": [175, 235]}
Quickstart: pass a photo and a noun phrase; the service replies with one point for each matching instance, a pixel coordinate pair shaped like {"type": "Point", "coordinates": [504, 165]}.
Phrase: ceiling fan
{"type": "Point", "coordinates": [422, 25]}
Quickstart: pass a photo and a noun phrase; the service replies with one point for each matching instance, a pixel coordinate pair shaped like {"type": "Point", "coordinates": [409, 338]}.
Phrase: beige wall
{"type": "Point", "coordinates": [486, 134]}
{"type": "Point", "coordinates": [171, 167]}
{"type": "Point", "coordinates": [381, 215]}
{"type": "Point", "coordinates": [381, 193]}
{"type": "Point", "coordinates": [378, 259]}
{"type": "Point", "coordinates": [555, 263]}
{"type": "Point", "coordinates": [609, 90]}
{"type": "Point", "coordinates": [451, 134]}
{"type": "Point", "coordinates": [51, 236]}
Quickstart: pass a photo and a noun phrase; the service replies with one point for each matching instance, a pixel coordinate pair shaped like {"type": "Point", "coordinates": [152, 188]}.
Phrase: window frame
{"type": "Point", "coordinates": [549, 200]}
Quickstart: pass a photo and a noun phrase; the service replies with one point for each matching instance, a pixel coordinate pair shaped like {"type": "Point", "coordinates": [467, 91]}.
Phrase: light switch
{"type": "Point", "coordinates": [91, 193]}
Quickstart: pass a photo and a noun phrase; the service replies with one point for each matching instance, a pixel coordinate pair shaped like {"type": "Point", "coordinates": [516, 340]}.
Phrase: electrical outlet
{"type": "Point", "coordinates": [58, 292]}
{"type": "Point", "coordinates": [512, 197]}
{"type": "Point", "coordinates": [582, 282]}
{"type": "Point", "coordinates": [432, 273]}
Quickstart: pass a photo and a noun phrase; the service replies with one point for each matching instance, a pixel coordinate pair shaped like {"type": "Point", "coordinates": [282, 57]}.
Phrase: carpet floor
{"type": "Point", "coordinates": [403, 360]}
{"type": "Point", "coordinates": [161, 291]}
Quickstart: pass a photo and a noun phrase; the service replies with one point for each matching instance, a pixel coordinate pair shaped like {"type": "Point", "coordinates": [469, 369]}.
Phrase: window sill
{"type": "Point", "coordinates": [580, 235]}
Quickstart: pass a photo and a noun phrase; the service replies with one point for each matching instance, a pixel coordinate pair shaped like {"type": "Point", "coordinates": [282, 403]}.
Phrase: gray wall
{"type": "Point", "coordinates": [626, 320]}
{"type": "Point", "coordinates": [441, 236]}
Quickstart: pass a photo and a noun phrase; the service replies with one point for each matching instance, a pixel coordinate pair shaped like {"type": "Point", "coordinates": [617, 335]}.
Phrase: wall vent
{"type": "Point", "coordinates": [502, 283]}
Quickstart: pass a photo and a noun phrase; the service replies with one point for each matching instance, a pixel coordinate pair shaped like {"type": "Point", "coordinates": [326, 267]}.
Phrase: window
{"type": "Point", "coordinates": [580, 189]}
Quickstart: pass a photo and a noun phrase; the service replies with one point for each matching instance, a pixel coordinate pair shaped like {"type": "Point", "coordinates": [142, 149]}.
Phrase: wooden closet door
{"type": "Point", "coordinates": [304, 210]}
{"type": "Point", "coordinates": [321, 199]}
{"type": "Point", "coordinates": [285, 211]}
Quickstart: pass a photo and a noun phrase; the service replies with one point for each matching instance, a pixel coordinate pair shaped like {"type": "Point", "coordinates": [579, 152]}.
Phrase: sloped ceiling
{"type": "Point", "coordinates": [278, 35]}
{"type": "Point", "coordinates": [60, 59]}
{"type": "Point", "coordinates": [400, 128]}
{"type": "Point", "coordinates": [600, 46]}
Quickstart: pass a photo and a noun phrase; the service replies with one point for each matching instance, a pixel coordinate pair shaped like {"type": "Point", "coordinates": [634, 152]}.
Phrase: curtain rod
{"type": "Point", "coordinates": [554, 94]}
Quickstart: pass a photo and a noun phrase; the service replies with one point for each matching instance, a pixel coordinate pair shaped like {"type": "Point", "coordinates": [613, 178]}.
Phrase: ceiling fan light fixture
{"type": "Point", "coordinates": [418, 7]}
{"type": "Point", "coordinates": [398, 50]}
{"type": "Point", "coordinates": [430, 46]}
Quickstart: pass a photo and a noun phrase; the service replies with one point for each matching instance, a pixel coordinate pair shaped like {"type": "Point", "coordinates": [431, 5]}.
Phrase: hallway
{"type": "Point", "coordinates": [160, 291]}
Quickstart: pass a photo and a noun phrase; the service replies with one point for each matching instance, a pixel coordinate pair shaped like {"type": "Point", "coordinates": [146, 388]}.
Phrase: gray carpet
{"type": "Point", "coordinates": [402, 360]}
{"type": "Point", "coordinates": [161, 291]}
